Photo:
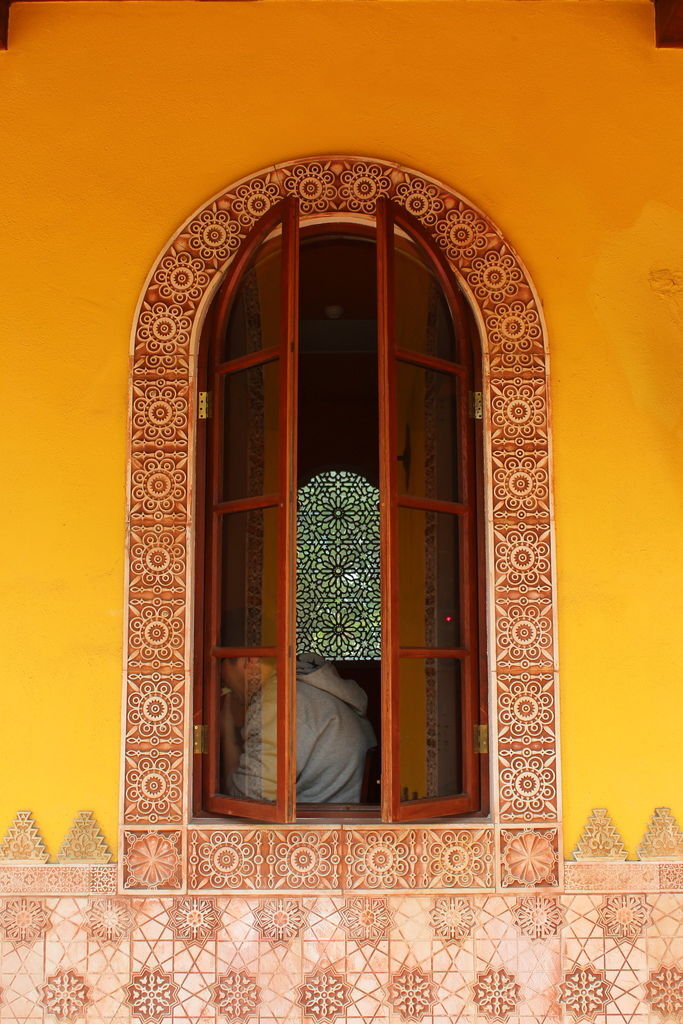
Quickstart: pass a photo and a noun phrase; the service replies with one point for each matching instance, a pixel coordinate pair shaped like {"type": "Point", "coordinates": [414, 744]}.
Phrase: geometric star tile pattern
{"type": "Point", "coordinates": [610, 958]}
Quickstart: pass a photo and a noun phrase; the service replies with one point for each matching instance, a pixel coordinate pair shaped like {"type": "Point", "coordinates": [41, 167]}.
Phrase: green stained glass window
{"type": "Point", "coordinates": [338, 567]}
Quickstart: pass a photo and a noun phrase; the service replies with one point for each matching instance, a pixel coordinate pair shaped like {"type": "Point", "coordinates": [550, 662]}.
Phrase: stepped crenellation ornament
{"type": "Point", "coordinates": [600, 839]}
{"type": "Point", "coordinates": [663, 839]}
{"type": "Point", "coordinates": [23, 841]}
{"type": "Point", "coordinates": [84, 843]}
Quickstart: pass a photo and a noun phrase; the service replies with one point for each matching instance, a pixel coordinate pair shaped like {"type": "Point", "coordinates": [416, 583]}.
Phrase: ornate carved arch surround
{"type": "Point", "coordinates": [518, 846]}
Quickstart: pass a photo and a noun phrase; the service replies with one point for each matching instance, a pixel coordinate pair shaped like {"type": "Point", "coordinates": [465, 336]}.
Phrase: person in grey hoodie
{"type": "Point", "coordinates": [333, 734]}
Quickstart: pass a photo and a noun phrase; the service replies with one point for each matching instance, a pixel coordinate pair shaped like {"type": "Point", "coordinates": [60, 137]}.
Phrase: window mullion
{"type": "Point", "coordinates": [286, 783]}
{"type": "Point", "coordinates": [388, 509]}
{"type": "Point", "coordinates": [211, 669]}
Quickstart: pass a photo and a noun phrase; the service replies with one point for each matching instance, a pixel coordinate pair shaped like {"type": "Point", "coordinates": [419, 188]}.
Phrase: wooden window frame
{"type": "Point", "coordinates": [466, 368]}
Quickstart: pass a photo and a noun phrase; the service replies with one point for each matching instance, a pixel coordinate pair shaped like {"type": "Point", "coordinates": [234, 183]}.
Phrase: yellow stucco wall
{"type": "Point", "coordinates": [560, 119]}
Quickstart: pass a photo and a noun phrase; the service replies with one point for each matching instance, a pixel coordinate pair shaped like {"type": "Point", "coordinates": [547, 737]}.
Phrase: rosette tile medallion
{"type": "Point", "coordinates": [194, 920]}
{"type": "Point", "coordinates": [236, 996]}
{"type": "Point", "coordinates": [412, 993]}
{"type": "Point", "coordinates": [585, 993]}
{"type": "Point", "coordinates": [160, 590]}
{"type": "Point", "coordinates": [324, 996]}
{"type": "Point", "coordinates": [624, 917]}
{"type": "Point", "coordinates": [529, 858]}
{"type": "Point", "coordinates": [65, 995]}
{"type": "Point", "coordinates": [151, 995]}
{"type": "Point", "coordinates": [664, 991]}
{"type": "Point", "coordinates": [496, 994]}
{"type": "Point", "coordinates": [109, 920]}
{"type": "Point", "coordinates": [453, 917]}
{"type": "Point", "coordinates": [279, 921]}
{"type": "Point", "coordinates": [152, 860]}
{"type": "Point", "coordinates": [538, 917]}
{"type": "Point", "coordinates": [366, 919]}
{"type": "Point", "coordinates": [23, 921]}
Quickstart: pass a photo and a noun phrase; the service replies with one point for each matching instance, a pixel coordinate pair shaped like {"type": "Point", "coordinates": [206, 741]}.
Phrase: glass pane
{"type": "Point", "coordinates": [333, 735]}
{"type": "Point", "coordinates": [338, 576]}
{"type": "Point", "coordinates": [427, 441]}
{"type": "Point", "coordinates": [250, 432]}
{"type": "Point", "coordinates": [254, 320]}
{"type": "Point", "coordinates": [338, 387]}
{"type": "Point", "coordinates": [248, 728]}
{"type": "Point", "coordinates": [423, 319]}
{"type": "Point", "coordinates": [430, 727]}
{"type": "Point", "coordinates": [249, 579]}
{"type": "Point", "coordinates": [428, 579]}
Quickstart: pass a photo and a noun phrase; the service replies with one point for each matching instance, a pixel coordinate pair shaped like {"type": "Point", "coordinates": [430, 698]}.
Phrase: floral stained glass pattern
{"type": "Point", "coordinates": [338, 567]}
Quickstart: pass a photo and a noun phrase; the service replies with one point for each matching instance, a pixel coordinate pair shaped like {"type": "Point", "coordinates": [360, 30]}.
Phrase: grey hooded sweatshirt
{"type": "Point", "coordinates": [333, 737]}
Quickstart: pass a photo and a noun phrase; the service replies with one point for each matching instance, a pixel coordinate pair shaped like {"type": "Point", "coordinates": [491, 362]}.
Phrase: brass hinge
{"type": "Point", "coordinates": [204, 405]}
{"type": "Point", "coordinates": [476, 405]}
{"type": "Point", "coordinates": [481, 739]}
{"type": "Point", "coordinates": [201, 739]}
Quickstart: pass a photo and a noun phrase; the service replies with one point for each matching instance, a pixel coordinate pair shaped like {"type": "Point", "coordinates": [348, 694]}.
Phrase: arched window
{"type": "Point", "coordinates": [340, 653]}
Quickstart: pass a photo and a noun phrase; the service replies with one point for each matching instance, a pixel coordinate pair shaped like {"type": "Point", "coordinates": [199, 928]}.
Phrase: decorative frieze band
{"type": "Point", "coordinates": [243, 859]}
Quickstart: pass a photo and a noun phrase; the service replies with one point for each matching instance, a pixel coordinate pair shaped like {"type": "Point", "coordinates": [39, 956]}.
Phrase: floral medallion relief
{"type": "Point", "coordinates": [151, 995]}
{"type": "Point", "coordinates": [109, 920]}
{"type": "Point", "coordinates": [367, 919]}
{"type": "Point", "coordinates": [65, 995]}
{"type": "Point", "coordinates": [453, 918]}
{"type": "Point", "coordinates": [236, 996]}
{"type": "Point", "coordinates": [624, 917]}
{"type": "Point", "coordinates": [324, 996]}
{"type": "Point", "coordinates": [538, 917]}
{"type": "Point", "coordinates": [585, 993]}
{"type": "Point", "coordinates": [281, 920]}
{"type": "Point", "coordinates": [496, 994]}
{"type": "Point", "coordinates": [23, 921]}
{"type": "Point", "coordinates": [664, 991]}
{"type": "Point", "coordinates": [194, 920]}
{"type": "Point", "coordinates": [412, 993]}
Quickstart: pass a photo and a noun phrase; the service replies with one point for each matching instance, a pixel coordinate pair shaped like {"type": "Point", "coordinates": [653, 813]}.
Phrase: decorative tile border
{"type": "Point", "coordinates": [611, 877]}
{"type": "Point", "coordinates": [57, 879]}
{"type": "Point", "coordinates": [341, 859]}
{"type": "Point", "coordinates": [166, 336]}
